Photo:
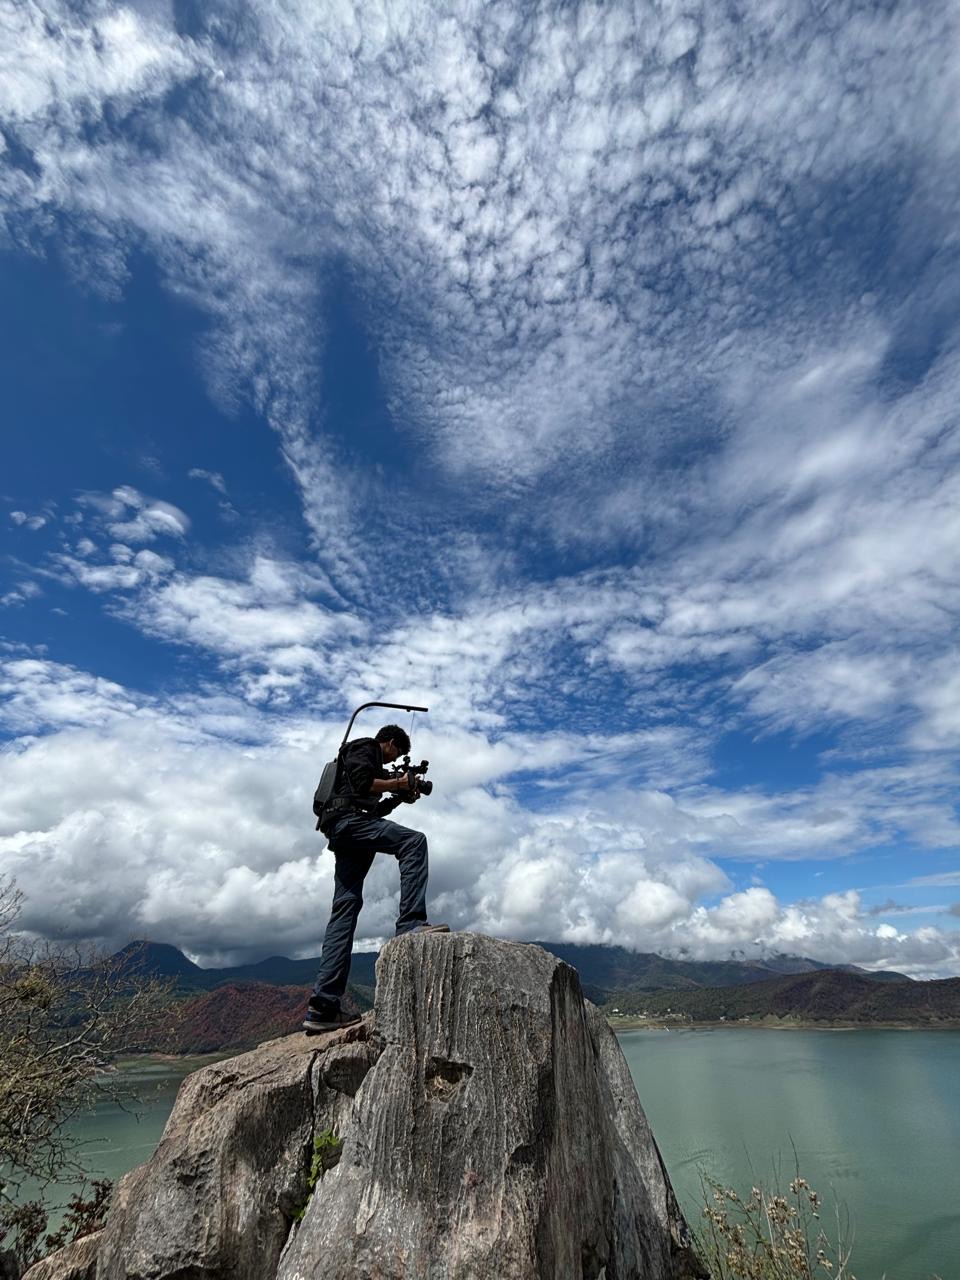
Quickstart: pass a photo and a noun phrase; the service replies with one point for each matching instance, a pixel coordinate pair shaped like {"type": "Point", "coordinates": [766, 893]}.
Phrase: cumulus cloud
{"type": "Point", "coordinates": [133, 816]}
{"type": "Point", "coordinates": [38, 694]}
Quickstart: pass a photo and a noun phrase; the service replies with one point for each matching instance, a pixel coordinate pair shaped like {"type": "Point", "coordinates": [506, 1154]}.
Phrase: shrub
{"type": "Point", "coordinates": [771, 1235]}
{"type": "Point", "coordinates": [326, 1153]}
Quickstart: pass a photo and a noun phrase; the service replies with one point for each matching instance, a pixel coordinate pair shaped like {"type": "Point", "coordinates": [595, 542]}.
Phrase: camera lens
{"type": "Point", "coordinates": [426, 787]}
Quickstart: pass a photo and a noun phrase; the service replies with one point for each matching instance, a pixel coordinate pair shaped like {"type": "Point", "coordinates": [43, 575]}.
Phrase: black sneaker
{"type": "Point", "coordinates": [427, 928]}
{"type": "Point", "coordinates": [327, 1018]}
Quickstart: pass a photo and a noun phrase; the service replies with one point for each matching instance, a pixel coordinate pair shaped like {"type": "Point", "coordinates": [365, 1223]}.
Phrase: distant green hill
{"type": "Point", "coordinates": [235, 1007]}
{"type": "Point", "coordinates": [605, 972]}
{"type": "Point", "coordinates": [829, 996]}
{"type": "Point", "coordinates": [158, 960]}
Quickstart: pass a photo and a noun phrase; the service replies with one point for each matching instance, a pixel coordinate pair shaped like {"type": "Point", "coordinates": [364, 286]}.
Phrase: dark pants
{"type": "Point", "coordinates": [355, 840]}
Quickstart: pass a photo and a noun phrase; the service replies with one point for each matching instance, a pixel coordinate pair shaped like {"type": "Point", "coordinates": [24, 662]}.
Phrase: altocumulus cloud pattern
{"type": "Point", "coordinates": [587, 372]}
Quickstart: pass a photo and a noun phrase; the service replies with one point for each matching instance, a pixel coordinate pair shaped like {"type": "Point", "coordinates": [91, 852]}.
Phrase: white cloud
{"type": "Point", "coordinates": [27, 521]}
{"type": "Point", "coordinates": [126, 571]}
{"type": "Point", "coordinates": [938, 698]}
{"type": "Point", "coordinates": [837, 681]}
{"type": "Point", "coordinates": [264, 623]}
{"type": "Point", "coordinates": [944, 879]}
{"type": "Point", "coordinates": [19, 594]}
{"type": "Point", "coordinates": [134, 817]}
{"type": "Point", "coordinates": [38, 694]}
{"type": "Point", "coordinates": [212, 477]}
{"type": "Point", "coordinates": [73, 67]}
{"type": "Point", "coordinates": [584, 225]}
{"type": "Point", "coordinates": [129, 516]}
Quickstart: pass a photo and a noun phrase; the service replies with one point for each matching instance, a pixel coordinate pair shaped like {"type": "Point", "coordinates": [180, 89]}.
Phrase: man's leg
{"type": "Point", "coordinates": [351, 869]}
{"type": "Point", "coordinates": [411, 854]}
{"type": "Point", "coordinates": [379, 835]}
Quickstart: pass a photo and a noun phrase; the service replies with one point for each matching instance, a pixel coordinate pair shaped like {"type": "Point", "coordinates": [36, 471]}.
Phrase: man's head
{"type": "Point", "coordinates": [393, 742]}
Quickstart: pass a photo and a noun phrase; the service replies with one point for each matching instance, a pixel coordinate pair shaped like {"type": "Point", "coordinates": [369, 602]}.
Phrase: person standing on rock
{"type": "Point", "coordinates": [354, 822]}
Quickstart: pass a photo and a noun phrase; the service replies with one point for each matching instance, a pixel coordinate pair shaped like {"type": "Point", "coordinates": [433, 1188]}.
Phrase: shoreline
{"type": "Point", "coordinates": [770, 1024]}
{"type": "Point", "coordinates": [178, 1059]}
{"type": "Point", "coordinates": [617, 1025]}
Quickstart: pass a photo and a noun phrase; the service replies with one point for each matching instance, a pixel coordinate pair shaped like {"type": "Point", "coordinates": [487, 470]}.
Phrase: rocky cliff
{"type": "Point", "coordinates": [480, 1125]}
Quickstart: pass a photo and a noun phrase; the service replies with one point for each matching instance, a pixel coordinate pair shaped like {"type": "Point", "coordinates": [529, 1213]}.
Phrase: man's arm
{"type": "Point", "coordinates": [362, 764]}
{"type": "Point", "coordinates": [380, 785]}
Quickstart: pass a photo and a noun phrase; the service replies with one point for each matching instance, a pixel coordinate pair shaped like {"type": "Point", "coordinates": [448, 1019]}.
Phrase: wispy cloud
{"type": "Point", "coordinates": [584, 235]}
{"type": "Point", "coordinates": [213, 477]}
{"type": "Point", "coordinates": [940, 880]}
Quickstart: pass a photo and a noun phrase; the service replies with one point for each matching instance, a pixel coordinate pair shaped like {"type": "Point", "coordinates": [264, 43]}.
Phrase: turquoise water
{"type": "Point", "coordinates": [115, 1138]}
{"type": "Point", "coordinates": [874, 1117]}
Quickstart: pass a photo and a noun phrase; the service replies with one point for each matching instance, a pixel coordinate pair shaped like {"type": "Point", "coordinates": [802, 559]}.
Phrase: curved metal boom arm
{"type": "Point", "coordinates": [396, 706]}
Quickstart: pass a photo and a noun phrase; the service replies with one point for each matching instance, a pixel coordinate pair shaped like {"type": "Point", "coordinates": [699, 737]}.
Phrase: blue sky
{"type": "Point", "coordinates": [587, 373]}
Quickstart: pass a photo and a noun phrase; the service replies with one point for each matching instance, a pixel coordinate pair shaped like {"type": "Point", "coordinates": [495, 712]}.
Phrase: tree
{"type": "Point", "coordinates": [65, 1016]}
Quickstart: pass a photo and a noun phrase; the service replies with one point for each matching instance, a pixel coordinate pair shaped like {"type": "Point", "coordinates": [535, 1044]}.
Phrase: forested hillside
{"type": "Point", "coordinates": [828, 996]}
{"type": "Point", "coordinates": [604, 971]}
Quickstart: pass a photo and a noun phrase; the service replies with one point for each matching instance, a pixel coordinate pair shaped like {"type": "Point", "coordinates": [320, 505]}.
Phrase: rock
{"type": "Point", "coordinates": [230, 1173]}
{"type": "Point", "coordinates": [497, 1135]}
{"type": "Point", "coordinates": [76, 1261]}
{"type": "Point", "coordinates": [487, 1129]}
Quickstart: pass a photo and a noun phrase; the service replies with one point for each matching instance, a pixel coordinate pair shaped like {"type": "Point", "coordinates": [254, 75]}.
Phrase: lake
{"type": "Point", "coordinates": [874, 1117]}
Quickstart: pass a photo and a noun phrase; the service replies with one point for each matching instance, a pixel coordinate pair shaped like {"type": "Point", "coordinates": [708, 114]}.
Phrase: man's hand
{"type": "Point", "coordinates": [396, 782]}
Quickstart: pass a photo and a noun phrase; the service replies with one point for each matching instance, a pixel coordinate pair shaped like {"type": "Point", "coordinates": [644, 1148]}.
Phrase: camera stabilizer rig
{"type": "Point", "coordinates": [419, 786]}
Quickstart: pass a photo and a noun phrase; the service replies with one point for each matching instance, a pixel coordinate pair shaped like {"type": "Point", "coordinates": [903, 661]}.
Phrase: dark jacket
{"type": "Point", "coordinates": [361, 761]}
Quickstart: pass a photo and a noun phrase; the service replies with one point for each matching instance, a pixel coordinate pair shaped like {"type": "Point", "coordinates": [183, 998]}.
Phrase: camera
{"type": "Point", "coordinates": [419, 786]}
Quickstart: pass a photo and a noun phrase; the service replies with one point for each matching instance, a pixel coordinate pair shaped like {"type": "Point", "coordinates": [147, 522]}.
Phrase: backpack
{"type": "Point", "coordinates": [326, 787]}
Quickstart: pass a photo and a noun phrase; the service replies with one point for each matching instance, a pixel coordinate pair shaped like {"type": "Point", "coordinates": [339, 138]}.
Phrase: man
{"type": "Point", "coordinates": [354, 822]}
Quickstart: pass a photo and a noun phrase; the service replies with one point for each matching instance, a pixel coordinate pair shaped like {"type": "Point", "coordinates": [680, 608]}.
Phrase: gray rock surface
{"type": "Point", "coordinates": [76, 1261]}
{"type": "Point", "coordinates": [497, 1135]}
{"type": "Point", "coordinates": [230, 1173]}
{"type": "Point", "coordinates": [490, 1130]}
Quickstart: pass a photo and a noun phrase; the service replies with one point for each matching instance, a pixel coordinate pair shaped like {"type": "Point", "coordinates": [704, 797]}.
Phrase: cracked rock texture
{"type": "Point", "coordinates": [76, 1261]}
{"type": "Point", "coordinates": [489, 1125]}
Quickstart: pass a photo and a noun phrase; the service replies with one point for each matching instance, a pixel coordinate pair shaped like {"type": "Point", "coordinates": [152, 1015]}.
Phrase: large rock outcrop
{"type": "Point", "coordinates": [487, 1128]}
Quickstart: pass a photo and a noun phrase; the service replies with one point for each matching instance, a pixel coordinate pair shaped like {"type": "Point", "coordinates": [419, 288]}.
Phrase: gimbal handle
{"type": "Point", "coordinates": [396, 706]}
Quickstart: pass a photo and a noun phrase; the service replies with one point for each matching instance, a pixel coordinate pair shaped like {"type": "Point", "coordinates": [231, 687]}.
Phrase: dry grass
{"type": "Point", "coordinates": [778, 1235]}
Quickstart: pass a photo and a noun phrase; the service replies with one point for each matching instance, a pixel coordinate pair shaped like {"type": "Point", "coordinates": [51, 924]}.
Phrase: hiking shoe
{"type": "Point", "coordinates": [427, 928]}
{"type": "Point", "coordinates": [329, 1019]}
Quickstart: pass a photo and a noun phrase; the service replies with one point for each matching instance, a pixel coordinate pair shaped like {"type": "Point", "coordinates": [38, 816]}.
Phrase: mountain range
{"type": "Point", "coordinates": [241, 1005]}
{"type": "Point", "coordinates": [830, 996]}
{"type": "Point", "coordinates": [604, 971]}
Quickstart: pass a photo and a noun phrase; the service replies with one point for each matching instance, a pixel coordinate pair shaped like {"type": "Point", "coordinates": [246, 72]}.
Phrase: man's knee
{"type": "Point", "coordinates": [347, 904]}
{"type": "Point", "coordinates": [417, 845]}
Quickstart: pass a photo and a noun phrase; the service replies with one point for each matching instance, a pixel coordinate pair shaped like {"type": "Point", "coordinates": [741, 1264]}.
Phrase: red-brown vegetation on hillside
{"type": "Point", "coordinates": [239, 1016]}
